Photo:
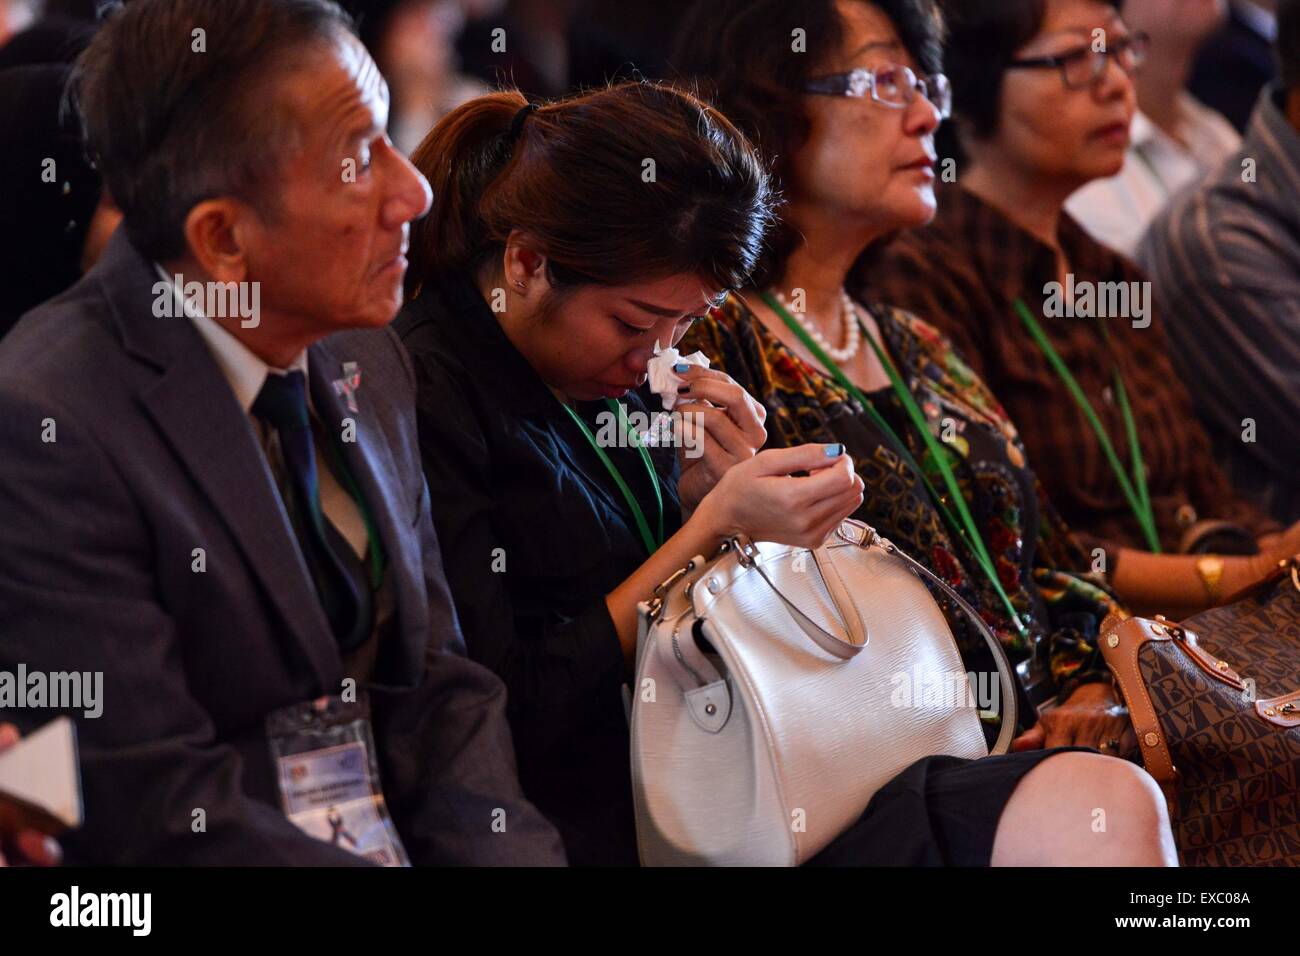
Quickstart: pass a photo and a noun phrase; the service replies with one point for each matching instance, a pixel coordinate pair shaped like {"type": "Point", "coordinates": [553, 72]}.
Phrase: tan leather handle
{"type": "Point", "coordinates": [1121, 642]}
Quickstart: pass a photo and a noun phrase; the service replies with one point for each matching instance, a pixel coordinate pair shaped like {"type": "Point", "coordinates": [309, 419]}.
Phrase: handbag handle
{"type": "Point", "coordinates": [840, 596]}
{"type": "Point", "coordinates": [865, 536]}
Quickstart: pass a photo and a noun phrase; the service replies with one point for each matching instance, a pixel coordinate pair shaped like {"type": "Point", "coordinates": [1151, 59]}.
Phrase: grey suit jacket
{"type": "Point", "coordinates": [152, 458]}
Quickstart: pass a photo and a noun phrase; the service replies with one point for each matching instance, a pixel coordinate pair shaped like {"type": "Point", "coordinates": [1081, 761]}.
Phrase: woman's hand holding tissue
{"type": "Point", "coordinates": [721, 425]}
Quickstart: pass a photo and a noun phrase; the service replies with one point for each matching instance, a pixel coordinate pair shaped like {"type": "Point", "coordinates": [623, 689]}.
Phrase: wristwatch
{"type": "Point", "coordinates": [1210, 568]}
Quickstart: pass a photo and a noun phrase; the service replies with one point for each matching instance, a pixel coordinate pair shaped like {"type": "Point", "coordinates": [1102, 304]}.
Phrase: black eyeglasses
{"type": "Point", "coordinates": [893, 86]}
{"type": "Point", "coordinates": [1083, 67]}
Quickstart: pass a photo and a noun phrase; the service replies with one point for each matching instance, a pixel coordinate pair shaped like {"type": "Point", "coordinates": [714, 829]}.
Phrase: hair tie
{"type": "Point", "coordinates": [517, 124]}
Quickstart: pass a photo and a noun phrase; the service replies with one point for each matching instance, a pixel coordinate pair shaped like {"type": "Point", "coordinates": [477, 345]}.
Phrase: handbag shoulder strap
{"type": "Point", "coordinates": [1011, 707]}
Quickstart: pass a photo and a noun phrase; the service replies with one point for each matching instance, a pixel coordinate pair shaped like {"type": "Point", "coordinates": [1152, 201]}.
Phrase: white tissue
{"type": "Point", "coordinates": [664, 382]}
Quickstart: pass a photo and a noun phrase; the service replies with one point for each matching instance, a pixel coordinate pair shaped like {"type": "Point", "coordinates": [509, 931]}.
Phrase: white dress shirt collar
{"type": "Point", "coordinates": [245, 372]}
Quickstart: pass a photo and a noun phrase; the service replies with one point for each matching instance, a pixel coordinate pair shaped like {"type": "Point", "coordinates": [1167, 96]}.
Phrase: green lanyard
{"type": "Point", "coordinates": [967, 529]}
{"type": "Point", "coordinates": [651, 542]}
{"type": "Point", "coordinates": [1139, 499]}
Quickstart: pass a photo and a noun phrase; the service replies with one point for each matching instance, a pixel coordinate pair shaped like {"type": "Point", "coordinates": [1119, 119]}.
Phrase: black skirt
{"type": "Point", "coordinates": [940, 811]}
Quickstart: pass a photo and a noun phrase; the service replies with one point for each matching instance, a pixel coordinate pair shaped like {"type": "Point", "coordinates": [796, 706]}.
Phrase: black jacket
{"type": "Point", "coordinates": [154, 457]}
{"type": "Point", "coordinates": [535, 533]}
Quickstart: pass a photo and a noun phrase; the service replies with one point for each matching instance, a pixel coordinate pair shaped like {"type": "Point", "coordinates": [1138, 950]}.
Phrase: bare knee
{"type": "Point", "coordinates": [1085, 809]}
{"type": "Point", "coordinates": [1134, 811]}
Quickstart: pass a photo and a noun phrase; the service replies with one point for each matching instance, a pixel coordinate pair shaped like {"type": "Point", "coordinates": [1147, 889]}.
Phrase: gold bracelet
{"type": "Point", "coordinates": [1210, 568]}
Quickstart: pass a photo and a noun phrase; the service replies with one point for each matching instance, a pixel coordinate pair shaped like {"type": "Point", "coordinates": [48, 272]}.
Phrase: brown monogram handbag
{"type": "Point", "coordinates": [1215, 702]}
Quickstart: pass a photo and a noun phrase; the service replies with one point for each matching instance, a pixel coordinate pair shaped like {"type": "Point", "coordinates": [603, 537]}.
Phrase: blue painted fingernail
{"type": "Point", "coordinates": [681, 367]}
{"type": "Point", "coordinates": [834, 451]}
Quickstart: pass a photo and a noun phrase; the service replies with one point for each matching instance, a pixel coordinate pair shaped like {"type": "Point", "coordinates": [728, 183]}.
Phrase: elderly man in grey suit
{"type": "Point", "coordinates": [210, 483]}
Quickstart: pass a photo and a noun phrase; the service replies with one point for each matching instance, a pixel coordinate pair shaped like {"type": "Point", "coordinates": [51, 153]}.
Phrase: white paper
{"type": "Point", "coordinates": [41, 770]}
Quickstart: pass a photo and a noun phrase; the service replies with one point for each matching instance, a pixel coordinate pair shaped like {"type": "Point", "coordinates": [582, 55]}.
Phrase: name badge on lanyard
{"type": "Point", "coordinates": [329, 778]}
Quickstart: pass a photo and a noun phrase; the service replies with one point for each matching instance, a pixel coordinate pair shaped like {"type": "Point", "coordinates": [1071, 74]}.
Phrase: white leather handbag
{"type": "Point", "coordinates": [773, 697]}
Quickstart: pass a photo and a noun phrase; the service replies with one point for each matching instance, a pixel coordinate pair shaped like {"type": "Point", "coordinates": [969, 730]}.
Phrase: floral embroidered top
{"type": "Point", "coordinates": [1031, 547]}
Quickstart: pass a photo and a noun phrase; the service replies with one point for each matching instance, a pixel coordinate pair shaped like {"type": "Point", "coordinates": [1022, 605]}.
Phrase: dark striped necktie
{"type": "Point", "coordinates": [339, 575]}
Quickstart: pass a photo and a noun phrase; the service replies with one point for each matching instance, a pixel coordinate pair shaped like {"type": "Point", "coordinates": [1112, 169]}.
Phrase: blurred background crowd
{"type": "Point", "coordinates": [1206, 66]}
{"type": "Point", "coordinates": [1156, 198]}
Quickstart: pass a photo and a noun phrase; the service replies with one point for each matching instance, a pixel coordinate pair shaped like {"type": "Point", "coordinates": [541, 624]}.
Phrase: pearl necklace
{"type": "Point", "coordinates": [852, 334]}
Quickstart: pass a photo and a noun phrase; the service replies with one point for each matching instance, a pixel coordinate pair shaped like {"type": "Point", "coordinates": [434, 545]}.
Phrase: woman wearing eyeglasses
{"type": "Point", "coordinates": [1059, 327]}
{"type": "Point", "coordinates": [1176, 140]}
{"type": "Point", "coordinates": [849, 111]}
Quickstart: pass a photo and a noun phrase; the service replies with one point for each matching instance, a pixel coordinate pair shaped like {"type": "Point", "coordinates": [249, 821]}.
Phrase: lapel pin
{"type": "Point", "coordinates": [347, 385]}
